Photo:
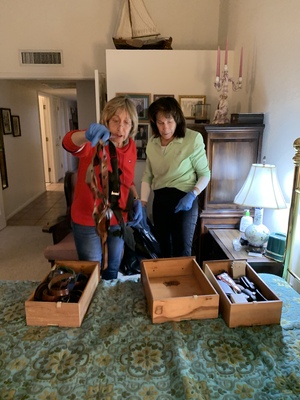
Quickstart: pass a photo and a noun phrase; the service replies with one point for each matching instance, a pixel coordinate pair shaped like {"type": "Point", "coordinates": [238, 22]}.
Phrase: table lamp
{"type": "Point", "coordinates": [260, 190]}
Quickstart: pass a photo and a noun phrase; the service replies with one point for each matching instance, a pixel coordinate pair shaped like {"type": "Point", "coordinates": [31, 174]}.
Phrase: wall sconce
{"type": "Point", "coordinates": [260, 190]}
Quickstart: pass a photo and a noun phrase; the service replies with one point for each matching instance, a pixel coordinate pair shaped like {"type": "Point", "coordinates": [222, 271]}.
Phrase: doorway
{"type": "Point", "coordinates": [46, 133]}
{"type": "Point", "coordinates": [56, 118]}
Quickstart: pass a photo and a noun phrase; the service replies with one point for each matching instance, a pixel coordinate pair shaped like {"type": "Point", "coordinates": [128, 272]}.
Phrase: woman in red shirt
{"type": "Point", "coordinates": [119, 123]}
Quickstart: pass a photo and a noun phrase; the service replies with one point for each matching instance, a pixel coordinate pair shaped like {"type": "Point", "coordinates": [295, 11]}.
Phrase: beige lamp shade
{"type": "Point", "coordinates": [261, 188]}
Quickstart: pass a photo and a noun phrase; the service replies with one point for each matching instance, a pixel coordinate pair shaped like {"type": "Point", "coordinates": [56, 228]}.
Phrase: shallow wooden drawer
{"type": "Point", "coordinates": [247, 314]}
{"type": "Point", "coordinates": [177, 289]}
{"type": "Point", "coordinates": [43, 313]}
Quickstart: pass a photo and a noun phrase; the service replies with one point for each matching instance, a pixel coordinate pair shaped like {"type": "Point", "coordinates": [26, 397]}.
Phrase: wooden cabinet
{"type": "Point", "coordinates": [231, 150]}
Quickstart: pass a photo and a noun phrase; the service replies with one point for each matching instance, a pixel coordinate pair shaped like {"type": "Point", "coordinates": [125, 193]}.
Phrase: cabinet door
{"type": "Point", "coordinates": [231, 150]}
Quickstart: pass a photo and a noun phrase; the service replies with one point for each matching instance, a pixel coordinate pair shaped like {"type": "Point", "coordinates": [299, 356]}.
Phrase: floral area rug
{"type": "Point", "coordinates": [118, 353]}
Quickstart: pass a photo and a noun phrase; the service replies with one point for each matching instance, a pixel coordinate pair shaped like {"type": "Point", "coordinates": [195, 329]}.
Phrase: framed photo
{"type": "Point", "coordinates": [6, 125]}
{"type": "Point", "coordinates": [188, 104]}
{"type": "Point", "coordinates": [158, 96]}
{"type": "Point", "coordinates": [141, 140]}
{"type": "Point", "coordinates": [15, 119]}
{"type": "Point", "coordinates": [3, 170]}
{"type": "Point", "coordinates": [141, 102]}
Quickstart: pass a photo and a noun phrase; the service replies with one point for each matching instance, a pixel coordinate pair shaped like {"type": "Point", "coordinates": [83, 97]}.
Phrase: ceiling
{"type": "Point", "coordinates": [60, 88]}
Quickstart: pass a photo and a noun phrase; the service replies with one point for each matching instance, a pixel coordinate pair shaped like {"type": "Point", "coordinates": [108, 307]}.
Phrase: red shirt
{"type": "Point", "coordinates": [83, 202]}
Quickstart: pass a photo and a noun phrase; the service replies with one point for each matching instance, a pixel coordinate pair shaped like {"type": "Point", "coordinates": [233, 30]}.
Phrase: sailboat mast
{"type": "Point", "coordinates": [129, 9]}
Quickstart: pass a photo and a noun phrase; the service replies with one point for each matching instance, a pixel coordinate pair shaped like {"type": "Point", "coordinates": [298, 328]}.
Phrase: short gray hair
{"type": "Point", "coordinates": [123, 103]}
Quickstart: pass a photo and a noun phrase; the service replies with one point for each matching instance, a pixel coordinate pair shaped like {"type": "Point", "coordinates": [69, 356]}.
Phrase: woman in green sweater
{"type": "Point", "coordinates": [177, 171]}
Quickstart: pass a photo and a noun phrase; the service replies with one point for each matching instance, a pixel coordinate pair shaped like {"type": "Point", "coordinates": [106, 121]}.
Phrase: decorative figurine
{"type": "Point", "coordinates": [220, 116]}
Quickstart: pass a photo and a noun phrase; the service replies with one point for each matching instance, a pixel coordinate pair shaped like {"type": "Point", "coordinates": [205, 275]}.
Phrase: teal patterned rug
{"type": "Point", "coordinates": [118, 353]}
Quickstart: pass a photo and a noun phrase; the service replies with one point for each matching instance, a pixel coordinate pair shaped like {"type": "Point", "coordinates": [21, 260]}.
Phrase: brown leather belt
{"type": "Point", "coordinates": [62, 284]}
{"type": "Point", "coordinates": [58, 286]}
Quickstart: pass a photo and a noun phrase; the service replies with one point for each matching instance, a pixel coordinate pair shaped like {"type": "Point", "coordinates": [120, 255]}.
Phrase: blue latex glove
{"type": "Point", "coordinates": [144, 223]}
{"type": "Point", "coordinates": [185, 203]}
{"type": "Point", "coordinates": [97, 132]}
{"type": "Point", "coordinates": [137, 213]}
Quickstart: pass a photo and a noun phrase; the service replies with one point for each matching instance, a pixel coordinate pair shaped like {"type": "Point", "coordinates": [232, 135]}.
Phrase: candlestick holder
{"type": "Point", "coordinates": [221, 84]}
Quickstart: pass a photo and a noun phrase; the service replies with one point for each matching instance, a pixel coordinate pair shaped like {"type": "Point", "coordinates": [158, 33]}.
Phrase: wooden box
{"type": "Point", "coordinates": [43, 313]}
{"type": "Point", "coordinates": [246, 314]}
{"type": "Point", "coordinates": [177, 289]}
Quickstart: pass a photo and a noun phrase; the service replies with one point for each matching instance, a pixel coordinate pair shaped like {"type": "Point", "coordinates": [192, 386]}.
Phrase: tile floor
{"type": "Point", "coordinates": [47, 207]}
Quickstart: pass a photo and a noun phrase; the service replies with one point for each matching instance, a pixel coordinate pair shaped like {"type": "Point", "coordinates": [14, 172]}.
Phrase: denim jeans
{"type": "Point", "coordinates": [88, 245]}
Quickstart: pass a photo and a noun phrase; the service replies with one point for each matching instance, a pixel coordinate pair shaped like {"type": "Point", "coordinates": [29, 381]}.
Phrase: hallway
{"type": "Point", "coordinates": [22, 241]}
{"type": "Point", "coordinates": [47, 207]}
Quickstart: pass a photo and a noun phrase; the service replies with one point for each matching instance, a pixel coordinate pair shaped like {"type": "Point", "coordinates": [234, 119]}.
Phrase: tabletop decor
{"type": "Point", "coordinates": [222, 83]}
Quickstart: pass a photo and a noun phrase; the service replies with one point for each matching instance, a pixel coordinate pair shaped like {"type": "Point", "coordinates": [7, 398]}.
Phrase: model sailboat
{"type": "Point", "coordinates": [136, 29]}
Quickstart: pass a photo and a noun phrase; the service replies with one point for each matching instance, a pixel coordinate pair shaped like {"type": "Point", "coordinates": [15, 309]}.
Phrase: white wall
{"type": "Point", "coordinates": [178, 72]}
{"type": "Point", "coordinates": [83, 30]}
{"type": "Point", "coordinates": [23, 154]}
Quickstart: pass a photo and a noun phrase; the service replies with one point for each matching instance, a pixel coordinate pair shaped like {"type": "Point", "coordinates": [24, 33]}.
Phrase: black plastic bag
{"type": "Point", "coordinates": [145, 243]}
{"type": "Point", "coordinates": [130, 264]}
{"type": "Point", "coordinates": [139, 244]}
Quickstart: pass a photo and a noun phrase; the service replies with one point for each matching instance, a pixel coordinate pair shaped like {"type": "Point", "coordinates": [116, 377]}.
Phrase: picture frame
{"type": "Point", "coordinates": [5, 117]}
{"type": "Point", "coordinates": [188, 103]}
{"type": "Point", "coordinates": [141, 101]}
{"type": "Point", "coordinates": [3, 167]}
{"type": "Point", "coordinates": [15, 120]}
{"type": "Point", "coordinates": [141, 140]}
{"type": "Point", "coordinates": [158, 96]}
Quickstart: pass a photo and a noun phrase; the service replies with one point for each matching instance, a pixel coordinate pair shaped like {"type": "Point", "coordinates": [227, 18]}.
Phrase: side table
{"type": "Point", "coordinates": [222, 247]}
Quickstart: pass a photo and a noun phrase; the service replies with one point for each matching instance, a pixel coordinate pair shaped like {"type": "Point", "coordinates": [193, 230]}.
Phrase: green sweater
{"type": "Point", "coordinates": [179, 165]}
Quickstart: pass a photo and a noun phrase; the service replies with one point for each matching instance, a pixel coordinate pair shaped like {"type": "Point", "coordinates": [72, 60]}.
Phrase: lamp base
{"type": "Point", "coordinates": [257, 235]}
{"type": "Point", "coordinates": [256, 249]}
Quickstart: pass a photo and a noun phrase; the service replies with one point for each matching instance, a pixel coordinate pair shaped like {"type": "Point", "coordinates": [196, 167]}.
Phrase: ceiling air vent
{"type": "Point", "coordinates": [41, 57]}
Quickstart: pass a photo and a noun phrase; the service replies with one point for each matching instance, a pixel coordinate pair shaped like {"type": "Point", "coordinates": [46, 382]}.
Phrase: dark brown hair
{"type": "Point", "coordinates": [169, 107]}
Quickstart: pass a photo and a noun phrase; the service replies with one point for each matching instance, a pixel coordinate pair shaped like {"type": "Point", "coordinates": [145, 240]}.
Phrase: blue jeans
{"type": "Point", "coordinates": [88, 245]}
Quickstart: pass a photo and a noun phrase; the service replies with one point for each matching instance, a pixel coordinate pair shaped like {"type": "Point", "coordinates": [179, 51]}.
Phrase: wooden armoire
{"type": "Point", "coordinates": [231, 150]}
